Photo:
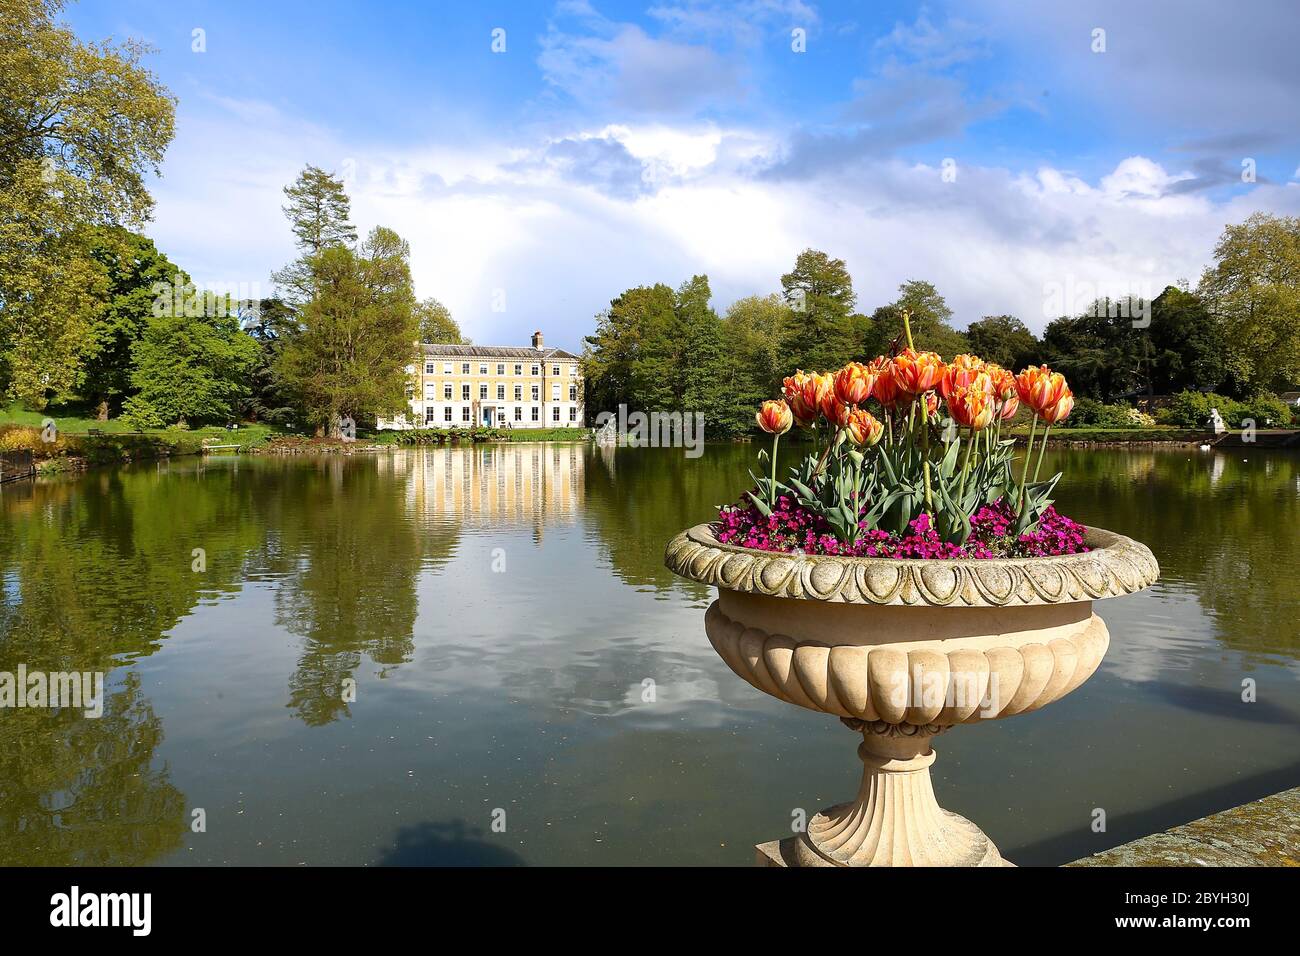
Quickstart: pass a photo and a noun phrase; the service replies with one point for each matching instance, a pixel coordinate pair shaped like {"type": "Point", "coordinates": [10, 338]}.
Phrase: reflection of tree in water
{"type": "Point", "coordinates": [356, 553]}
{"type": "Point", "coordinates": [453, 843]}
{"type": "Point", "coordinates": [1219, 526]}
{"type": "Point", "coordinates": [95, 571]}
{"type": "Point", "coordinates": [647, 495]}
{"type": "Point", "coordinates": [81, 791]}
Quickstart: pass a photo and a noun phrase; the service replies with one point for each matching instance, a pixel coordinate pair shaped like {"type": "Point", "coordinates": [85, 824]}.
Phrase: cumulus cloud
{"type": "Point", "coordinates": [647, 180]}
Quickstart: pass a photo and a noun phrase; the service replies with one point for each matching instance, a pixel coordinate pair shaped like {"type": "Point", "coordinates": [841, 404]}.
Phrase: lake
{"type": "Point", "coordinates": [532, 686]}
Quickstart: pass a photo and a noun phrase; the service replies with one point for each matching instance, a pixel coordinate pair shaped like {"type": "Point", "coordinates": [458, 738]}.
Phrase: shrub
{"type": "Point", "coordinates": [139, 414]}
{"type": "Point", "coordinates": [1092, 413]}
{"type": "Point", "coordinates": [1267, 410]}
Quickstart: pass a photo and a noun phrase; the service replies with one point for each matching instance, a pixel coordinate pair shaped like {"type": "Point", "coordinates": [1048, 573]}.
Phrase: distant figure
{"type": "Point", "coordinates": [1216, 422]}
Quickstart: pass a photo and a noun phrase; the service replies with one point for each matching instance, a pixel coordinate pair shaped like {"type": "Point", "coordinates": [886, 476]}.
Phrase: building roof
{"type": "Point", "coordinates": [494, 351]}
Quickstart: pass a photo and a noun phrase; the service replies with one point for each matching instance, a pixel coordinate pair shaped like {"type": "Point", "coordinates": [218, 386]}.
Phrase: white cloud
{"type": "Point", "coordinates": [562, 238]}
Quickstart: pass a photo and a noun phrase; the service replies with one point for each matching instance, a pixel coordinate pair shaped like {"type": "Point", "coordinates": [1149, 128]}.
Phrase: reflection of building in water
{"type": "Point", "coordinates": [497, 484]}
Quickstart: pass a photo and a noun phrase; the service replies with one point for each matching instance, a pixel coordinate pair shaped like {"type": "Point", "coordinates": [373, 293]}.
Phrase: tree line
{"type": "Point", "coordinates": [95, 319]}
{"type": "Point", "coordinates": [1237, 334]}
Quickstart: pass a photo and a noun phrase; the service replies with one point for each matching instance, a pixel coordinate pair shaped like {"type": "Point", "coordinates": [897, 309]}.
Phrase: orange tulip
{"type": "Point", "coordinates": [838, 413]}
{"type": "Point", "coordinates": [1059, 411]}
{"type": "Point", "coordinates": [1009, 408]}
{"type": "Point", "coordinates": [793, 387]}
{"type": "Point", "coordinates": [1004, 383]}
{"type": "Point", "coordinates": [961, 371]}
{"type": "Point", "coordinates": [1042, 389]}
{"type": "Point", "coordinates": [915, 372]}
{"type": "Point", "coordinates": [931, 403]}
{"type": "Point", "coordinates": [972, 404]}
{"type": "Point", "coordinates": [819, 393]}
{"type": "Point", "coordinates": [864, 428]}
{"type": "Point", "coordinates": [885, 391]}
{"type": "Point", "coordinates": [853, 383]}
{"type": "Point", "coordinates": [775, 418]}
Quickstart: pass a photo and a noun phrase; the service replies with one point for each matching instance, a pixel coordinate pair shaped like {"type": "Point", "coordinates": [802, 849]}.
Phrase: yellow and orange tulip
{"type": "Point", "coordinates": [775, 417]}
{"type": "Point", "coordinates": [972, 405]}
{"type": "Point", "coordinates": [917, 372]}
{"type": "Point", "coordinates": [853, 383]}
{"type": "Point", "coordinates": [1042, 390]}
{"type": "Point", "coordinates": [961, 371]}
{"type": "Point", "coordinates": [863, 428]}
{"type": "Point", "coordinates": [884, 390]}
{"type": "Point", "coordinates": [793, 388]}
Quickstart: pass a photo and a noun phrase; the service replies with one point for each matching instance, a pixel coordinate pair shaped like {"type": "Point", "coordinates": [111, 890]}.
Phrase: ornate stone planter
{"type": "Point", "coordinates": [903, 650]}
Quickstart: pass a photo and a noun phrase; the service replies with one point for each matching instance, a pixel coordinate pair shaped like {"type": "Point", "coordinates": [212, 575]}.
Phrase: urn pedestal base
{"type": "Point", "coordinates": [894, 820]}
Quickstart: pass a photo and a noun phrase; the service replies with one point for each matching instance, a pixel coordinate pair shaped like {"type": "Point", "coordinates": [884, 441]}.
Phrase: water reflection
{"type": "Point", "coordinates": [501, 610]}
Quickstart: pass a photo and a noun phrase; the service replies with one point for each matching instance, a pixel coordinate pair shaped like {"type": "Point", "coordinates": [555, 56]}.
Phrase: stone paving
{"type": "Point", "coordinates": [1263, 833]}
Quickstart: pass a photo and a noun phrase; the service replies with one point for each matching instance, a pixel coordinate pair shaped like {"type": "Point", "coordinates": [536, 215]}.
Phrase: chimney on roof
{"type": "Point", "coordinates": [537, 341]}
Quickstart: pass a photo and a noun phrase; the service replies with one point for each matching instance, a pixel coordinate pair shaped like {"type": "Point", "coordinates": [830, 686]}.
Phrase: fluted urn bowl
{"type": "Point", "coordinates": [902, 650]}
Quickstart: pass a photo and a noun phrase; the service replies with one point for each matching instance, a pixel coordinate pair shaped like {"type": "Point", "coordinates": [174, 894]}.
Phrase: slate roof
{"type": "Point", "coordinates": [495, 351]}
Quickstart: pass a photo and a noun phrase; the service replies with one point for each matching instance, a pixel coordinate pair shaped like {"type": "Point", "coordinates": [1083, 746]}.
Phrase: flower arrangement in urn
{"type": "Point", "coordinates": [909, 462]}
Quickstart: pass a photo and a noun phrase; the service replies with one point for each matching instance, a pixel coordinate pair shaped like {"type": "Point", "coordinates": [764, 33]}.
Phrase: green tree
{"type": "Point", "coordinates": [270, 323]}
{"type": "Point", "coordinates": [191, 369]}
{"type": "Point", "coordinates": [1003, 339]}
{"type": "Point", "coordinates": [350, 355]}
{"type": "Point", "coordinates": [1187, 343]}
{"type": "Point", "coordinates": [1104, 352]}
{"type": "Point", "coordinates": [611, 355]}
{"type": "Point", "coordinates": [319, 214]}
{"type": "Point", "coordinates": [820, 292]}
{"type": "Point", "coordinates": [930, 318]}
{"type": "Point", "coordinates": [704, 367]}
{"type": "Point", "coordinates": [134, 275]}
{"type": "Point", "coordinates": [756, 329]}
{"type": "Point", "coordinates": [436, 324]}
{"type": "Point", "coordinates": [81, 125]}
{"type": "Point", "coordinates": [1253, 289]}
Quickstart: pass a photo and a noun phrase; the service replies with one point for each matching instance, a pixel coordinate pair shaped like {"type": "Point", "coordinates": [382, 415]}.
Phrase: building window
{"type": "Point", "coordinates": [464, 393]}
{"type": "Point", "coordinates": [555, 391]}
{"type": "Point", "coordinates": [519, 414]}
{"type": "Point", "coordinates": [446, 368]}
{"type": "Point", "coordinates": [428, 414]}
{"type": "Point", "coordinates": [555, 370]}
{"type": "Point", "coordinates": [501, 370]}
{"type": "Point", "coordinates": [430, 392]}
{"type": "Point", "coordinates": [464, 368]}
{"type": "Point", "coordinates": [428, 368]}
{"type": "Point", "coordinates": [519, 393]}
{"type": "Point", "coordinates": [464, 414]}
{"type": "Point", "coordinates": [482, 391]}
{"type": "Point", "coordinates": [446, 391]}
{"type": "Point", "coordinates": [537, 370]}
{"type": "Point", "coordinates": [535, 418]}
{"type": "Point", "coordinates": [573, 393]}
{"type": "Point", "coordinates": [519, 370]}
{"type": "Point", "coordinates": [537, 392]}
{"type": "Point", "coordinates": [482, 369]}
{"type": "Point", "coordinates": [446, 414]}
{"type": "Point", "coordinates": [501, 393]}
{"type": "Point", "coordinates": [573, 370]}
{"type": "Point", "coordinates": [555, 413]}
{"type": "Point", "coordinates": [573, 414]}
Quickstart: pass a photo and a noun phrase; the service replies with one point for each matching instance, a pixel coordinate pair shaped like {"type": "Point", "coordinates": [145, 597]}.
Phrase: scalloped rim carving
{"type": "Point", "coordinates": [1115, 566]}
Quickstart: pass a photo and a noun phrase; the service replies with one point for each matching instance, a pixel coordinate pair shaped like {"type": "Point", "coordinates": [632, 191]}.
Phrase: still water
{"type": "Point", "coordinates": [503, 610]}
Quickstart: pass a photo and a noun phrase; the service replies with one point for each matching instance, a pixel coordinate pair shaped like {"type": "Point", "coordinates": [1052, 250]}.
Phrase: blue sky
{"type": "Point", "coordinates": [994, 152]}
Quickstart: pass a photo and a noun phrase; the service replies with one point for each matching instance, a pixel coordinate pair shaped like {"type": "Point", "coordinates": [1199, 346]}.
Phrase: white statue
{"type": "Point", "coordinates": [1216, 422]}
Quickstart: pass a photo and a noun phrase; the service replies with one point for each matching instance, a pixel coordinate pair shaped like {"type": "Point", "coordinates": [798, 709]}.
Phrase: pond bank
{"type": "Point", "coordinates": [1263, 833]}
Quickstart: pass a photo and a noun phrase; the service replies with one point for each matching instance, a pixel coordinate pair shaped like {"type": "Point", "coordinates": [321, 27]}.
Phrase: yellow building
{"type": "Point", "coordinates": [501, 386]}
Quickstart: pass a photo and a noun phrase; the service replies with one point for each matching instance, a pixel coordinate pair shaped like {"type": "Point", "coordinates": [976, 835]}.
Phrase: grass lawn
{"type": "Point", "coordinates": [246, 435]}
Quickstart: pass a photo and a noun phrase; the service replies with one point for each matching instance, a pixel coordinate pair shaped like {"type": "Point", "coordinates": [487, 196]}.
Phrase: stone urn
{"type": "Point", "coordinates": [901, 651]}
